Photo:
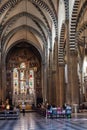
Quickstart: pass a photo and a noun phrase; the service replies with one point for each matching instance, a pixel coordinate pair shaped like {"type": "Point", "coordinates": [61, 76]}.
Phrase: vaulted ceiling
{"type": "Point", "coordinates": [30, 20]}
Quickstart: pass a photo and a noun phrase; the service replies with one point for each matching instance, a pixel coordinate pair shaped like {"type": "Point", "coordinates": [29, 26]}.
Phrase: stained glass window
{"type": "Point", "coordinates": [22, 65]}
{"type": "Point", "coordinates": [23, 83]}
{"type": "Point", "coordinates": [22, 77]}
{"type": "Point", "coordinates": [31, 81]}
{"type": "Point", "coordinates": [22, 87]}
{"type": "Point", "coordinates": [15, 80]}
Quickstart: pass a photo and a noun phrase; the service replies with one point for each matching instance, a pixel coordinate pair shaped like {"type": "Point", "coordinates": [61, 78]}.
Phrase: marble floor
{"type": "Point", "coordinates": [33, 121]}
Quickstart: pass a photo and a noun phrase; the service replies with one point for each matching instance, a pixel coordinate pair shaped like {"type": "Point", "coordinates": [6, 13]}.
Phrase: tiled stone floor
{"type": "Point", "coordinates": [33, 121]}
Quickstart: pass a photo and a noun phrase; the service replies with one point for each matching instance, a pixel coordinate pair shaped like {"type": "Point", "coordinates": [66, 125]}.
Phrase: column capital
{"type": "Point", "coordinates": [56, 38]}
{"type": "Point", "coordinates": [67, 21]}
{"type": "Point", "coordinates": [73, 53]}
{"type": "Point", "coordinates": [50, 49]}
{"type": "Point", "coordinates": [62, 65]}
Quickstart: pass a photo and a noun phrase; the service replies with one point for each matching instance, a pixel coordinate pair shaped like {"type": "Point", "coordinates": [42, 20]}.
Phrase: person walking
{"type": "Point", "coordinates": [23, 108]}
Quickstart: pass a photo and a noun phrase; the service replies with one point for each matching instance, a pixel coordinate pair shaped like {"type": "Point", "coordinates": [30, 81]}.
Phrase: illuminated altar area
{"type": "Point", "coordinates": [23, 77]}
{"type": "Point", "coordinates": [23, 85]}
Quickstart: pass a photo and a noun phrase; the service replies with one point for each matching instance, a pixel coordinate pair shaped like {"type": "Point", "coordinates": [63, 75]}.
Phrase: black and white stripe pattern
{"type": "Point", "coordinates": [61, 46]}
{"type": "Point", "coordinates": [72, 45]}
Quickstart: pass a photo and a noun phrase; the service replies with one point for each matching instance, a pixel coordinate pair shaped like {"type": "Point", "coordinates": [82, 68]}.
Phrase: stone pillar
{"type": "Point", "coordinates": [74, 78]}
{"type": "Point", "coordinates": [0, 74]}
{"type": "Point", "coordinates": [50, 86]}
{"type": "Point", "coordinates": [44, 82]}
{"type": "Point", "coordinates": [44, 76]}
{"type": "Point", "coordinates": [72, 88]}
{"type": "Point", "coordinates": [55, 75]}
{"type": "Point", "coordinates": [81, 97]}
{"type": "Point", "coordinates": [10, 88]}
{"type": "Point", "coordinates": [54, 87]}
{"type": "Point", "coordinates": [3, 77]}
{"type": "Point", "coordinates": [81, 75]}
{"type": "Point", "coordinates": [68, 87]}
{"type": "Point", "coordinates": [57, 88]}
{"type": "Point", "coordinates": [61, 84]}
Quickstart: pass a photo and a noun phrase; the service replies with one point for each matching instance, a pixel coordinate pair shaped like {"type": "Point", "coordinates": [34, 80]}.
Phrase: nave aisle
{"type": "Point", "coordinates": [33, 121]}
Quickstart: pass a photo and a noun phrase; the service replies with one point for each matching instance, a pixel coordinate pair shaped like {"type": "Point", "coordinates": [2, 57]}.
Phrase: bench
{"type": "Point", "coordinates": [55, 113]}
{"type": "Point", "coordinates": [9, 114]}
{"type": "Point", "coordinates": [2, 114]}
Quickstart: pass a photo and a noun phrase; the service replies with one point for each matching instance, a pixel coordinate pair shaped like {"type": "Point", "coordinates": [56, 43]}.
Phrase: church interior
{"type": "Point", "coordinates": [43, 52]}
